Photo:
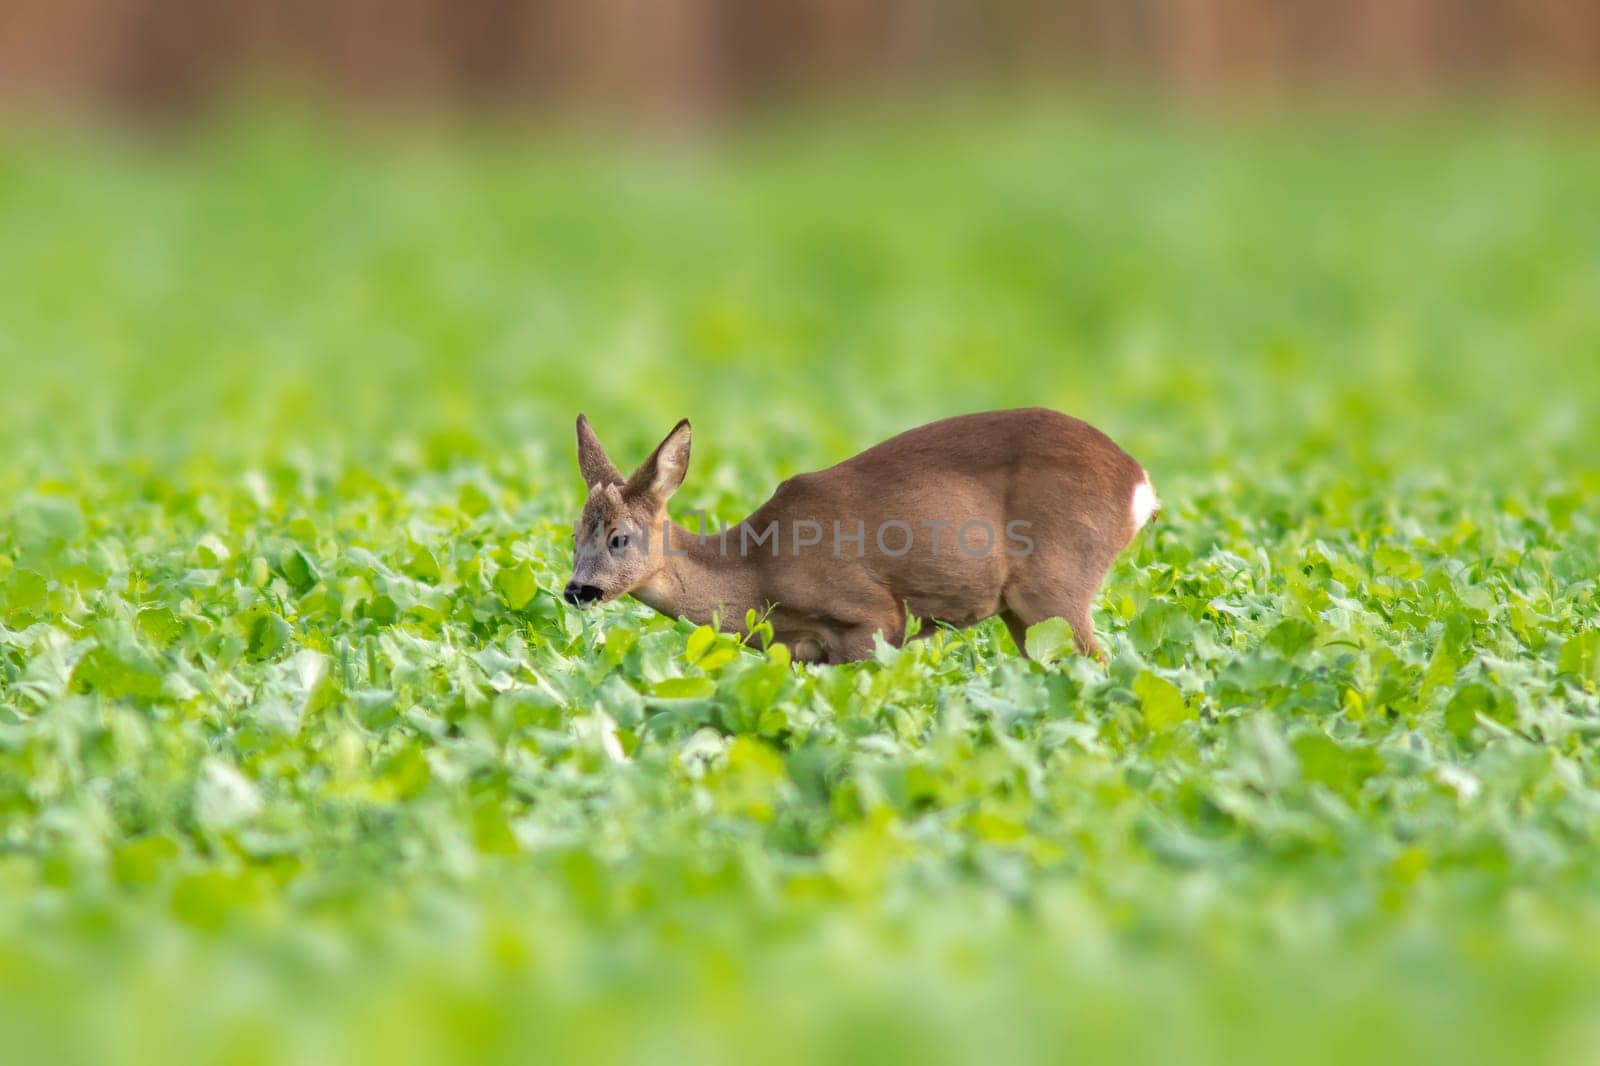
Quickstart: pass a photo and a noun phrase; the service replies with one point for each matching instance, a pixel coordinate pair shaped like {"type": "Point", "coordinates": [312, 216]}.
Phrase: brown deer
{"type": "Point", "coordinates": [1015, 513]}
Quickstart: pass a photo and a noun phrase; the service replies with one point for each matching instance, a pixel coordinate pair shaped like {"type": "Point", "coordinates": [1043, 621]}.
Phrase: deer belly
{"type": "Point", "coordinates": [959, 591]}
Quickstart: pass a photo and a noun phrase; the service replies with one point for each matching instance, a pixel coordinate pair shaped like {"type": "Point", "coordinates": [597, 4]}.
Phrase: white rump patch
{"type": "Point", "coordinates": [1144, 503]}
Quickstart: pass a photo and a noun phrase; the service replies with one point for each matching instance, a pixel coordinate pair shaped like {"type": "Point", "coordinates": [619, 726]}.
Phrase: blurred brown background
{"type": "Point", "coordinates": [692, 58]}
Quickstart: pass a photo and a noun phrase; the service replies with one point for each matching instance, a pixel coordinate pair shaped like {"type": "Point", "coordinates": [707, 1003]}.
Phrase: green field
{"type": "Point", "coordinates": [302, 758]}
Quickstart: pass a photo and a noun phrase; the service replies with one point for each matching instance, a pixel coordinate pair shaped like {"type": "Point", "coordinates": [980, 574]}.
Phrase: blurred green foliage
{"type": "Point", "coordinates": [302, 758]}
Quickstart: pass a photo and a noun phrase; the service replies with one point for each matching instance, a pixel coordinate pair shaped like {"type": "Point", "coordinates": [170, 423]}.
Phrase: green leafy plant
{"type": "Point", "coordinates": [302, 756]}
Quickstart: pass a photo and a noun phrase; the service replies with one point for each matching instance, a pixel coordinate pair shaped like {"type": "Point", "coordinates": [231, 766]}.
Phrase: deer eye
{"type": "Point", "coordinates": [619, 541]}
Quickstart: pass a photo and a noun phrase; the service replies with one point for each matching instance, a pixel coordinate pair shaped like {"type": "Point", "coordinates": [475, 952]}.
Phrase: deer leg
{"type": "Point", "coordinates": [1028, 605]}
{"type": "Point", "coordinates": [806, 649]}
{"type": "Point", "coordinates": [1019, 631]}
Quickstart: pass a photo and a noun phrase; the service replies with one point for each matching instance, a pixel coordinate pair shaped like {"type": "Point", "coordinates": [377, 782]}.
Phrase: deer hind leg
{"type": "Point", "coordinates": [1064, 590]}
{"type": "Point", "coordinates": [1028, 607]}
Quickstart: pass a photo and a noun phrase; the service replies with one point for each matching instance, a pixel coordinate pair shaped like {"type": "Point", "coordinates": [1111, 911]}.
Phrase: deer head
{"type": "Point", "coordinates": [620, 541]}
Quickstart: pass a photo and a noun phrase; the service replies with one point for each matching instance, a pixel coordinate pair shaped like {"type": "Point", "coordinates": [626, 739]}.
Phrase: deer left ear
{"type": "Point", "coordinates": [659, 476]}
{"type": "Point", "coordinates": [593, 462]}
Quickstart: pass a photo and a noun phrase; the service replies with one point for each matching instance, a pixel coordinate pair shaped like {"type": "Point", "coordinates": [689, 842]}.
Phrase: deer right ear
{"type": "Point", "coordinates": [661, 474]}
{"type": "Point", "coordinates": [593, 462]}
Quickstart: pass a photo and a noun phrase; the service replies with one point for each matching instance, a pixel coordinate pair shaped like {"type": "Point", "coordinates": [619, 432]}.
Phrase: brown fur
{"type": "Point", "coordinates": [1069, 482]}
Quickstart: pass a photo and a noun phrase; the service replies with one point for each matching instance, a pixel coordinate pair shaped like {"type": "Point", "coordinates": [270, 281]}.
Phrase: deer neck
{"type": "Point", "coordinates": [699, 580]}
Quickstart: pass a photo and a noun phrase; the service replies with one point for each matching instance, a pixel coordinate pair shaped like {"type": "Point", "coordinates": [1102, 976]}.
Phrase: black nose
{"type": "Point", "coordinates": [577, 594]}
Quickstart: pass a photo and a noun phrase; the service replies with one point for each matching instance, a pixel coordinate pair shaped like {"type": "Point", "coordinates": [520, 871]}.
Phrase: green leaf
{"type": "Point", "coordinates": [718, 657]}
{"type": "Point", "coordinates": [1161, 702]}
{"type": "Point", "coordinates": [1394, 561]}
{"type": "Point", "coordinates": [266, 632]}
{"type": "Point", "coordinates": [300, 571]}
{"type": "Point", "coordinates": [516, 585]}
{"type": "Point", "coordinates": [1292, 636]}
{"type": "Point", "coordinates": [119, 667]}
{"type": "Point", "coordinates": [699, 643]}
{"type": "Point", "coordinates": [423, 566]}
{"type": "Point", "coordinates": [160, 626]}
{"type": "Point", "coordinates": [1441, 671]}
{"type": "Point", "coordinates": [24, 593]}
{"type": "Point", "coordinates": [1473, 699]}
{"type": "Point", "coordinates": [1049, 640]}
{"type": "Point", "coordinates": [1343, 768]}
{"type": "Point", "coordinates": [211, 551]}
{"type": "Point", "coordinates": [680, 688]}
{"type": "Point", "coordinates": [1580, 655]}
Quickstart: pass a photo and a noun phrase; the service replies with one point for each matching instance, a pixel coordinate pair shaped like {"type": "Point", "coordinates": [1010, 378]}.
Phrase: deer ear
{"type": "Point", "coordinates": [593, 462]}
{"type": "Point", "coordinates": [659, 476]}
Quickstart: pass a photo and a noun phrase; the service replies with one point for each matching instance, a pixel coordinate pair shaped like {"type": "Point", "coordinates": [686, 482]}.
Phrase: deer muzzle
{"type": "Point", "coordinates": [581, 595]}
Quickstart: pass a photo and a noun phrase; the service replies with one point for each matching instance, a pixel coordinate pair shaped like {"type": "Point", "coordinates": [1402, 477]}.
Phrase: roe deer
{"type": "Point", "coordinates": [1015, 513]}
